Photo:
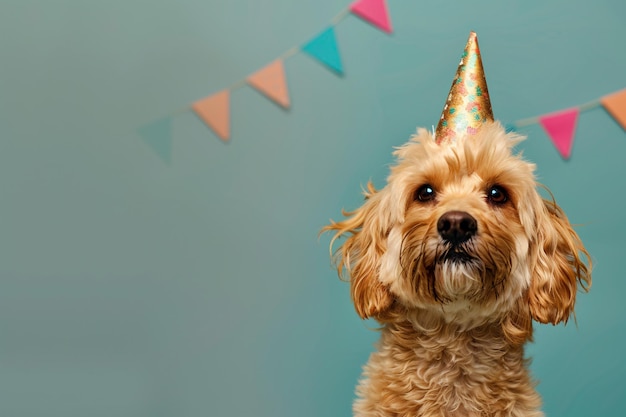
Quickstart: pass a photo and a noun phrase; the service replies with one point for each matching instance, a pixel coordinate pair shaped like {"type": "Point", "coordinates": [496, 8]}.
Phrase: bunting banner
{"type": "Point", "coordinates": [324, 48]}
{"type": "Point", "coordinates": [561, 127]}
{"type": "Point", "coordinates": [615, 105]}
{"type": "Point", "coordinates": [215, 112]}
{"type": "Point", "coordinates": [374, 12]}
{"type": "Point", "coordinates": [271, 81]}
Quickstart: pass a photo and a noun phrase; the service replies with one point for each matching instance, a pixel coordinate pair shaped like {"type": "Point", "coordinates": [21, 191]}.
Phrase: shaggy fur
{"type": "Point", "coordinates": [455, 315]}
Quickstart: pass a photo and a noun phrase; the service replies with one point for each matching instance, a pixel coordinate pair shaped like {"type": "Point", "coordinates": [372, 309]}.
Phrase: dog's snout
{"type": "Point", "coordinates": [456, 226]}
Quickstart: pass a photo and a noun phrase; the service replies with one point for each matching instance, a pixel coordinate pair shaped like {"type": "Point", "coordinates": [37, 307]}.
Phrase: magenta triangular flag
{"type": "Point", "coordinates": [374, 12]}
{"type": "Point", "coordinates": [561, 126]}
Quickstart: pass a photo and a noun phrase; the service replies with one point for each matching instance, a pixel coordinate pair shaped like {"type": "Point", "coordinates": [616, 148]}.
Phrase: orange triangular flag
{"type": "Point", "coordinates": [615, 104]}
{"type": "Point", "coordinates": [214, 110]}
{"type": "Point", "coordinates": [271, 81]}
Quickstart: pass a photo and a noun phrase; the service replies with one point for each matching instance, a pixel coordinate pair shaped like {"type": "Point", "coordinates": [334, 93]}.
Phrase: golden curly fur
{"type": "Point", "coordinates": [457, 311]}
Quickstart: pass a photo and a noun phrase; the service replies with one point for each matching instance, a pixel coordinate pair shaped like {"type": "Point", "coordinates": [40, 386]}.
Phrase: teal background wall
{"type": "Point", "coordinates": [130, 287]}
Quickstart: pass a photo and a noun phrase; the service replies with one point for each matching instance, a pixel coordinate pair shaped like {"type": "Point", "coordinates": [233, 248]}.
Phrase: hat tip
{"type": "Point", "coordinates": [468, 105]}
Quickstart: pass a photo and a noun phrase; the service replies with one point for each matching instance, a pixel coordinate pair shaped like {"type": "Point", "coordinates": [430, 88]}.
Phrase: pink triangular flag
{"type": "Point", "coordinates": [271, 81]}
{"type": "Point", "coordinates": [615, 104]}
{"type": "Point", "coordinates": [561, 126]}
{"type": "Point", "coordinates": [374, 12]}
{"type": "Point", "coordinates": [215, 112]}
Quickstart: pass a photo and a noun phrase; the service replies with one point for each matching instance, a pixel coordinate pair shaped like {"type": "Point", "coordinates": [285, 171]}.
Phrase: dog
{"type": "Point", "coordinates": [455, 257]}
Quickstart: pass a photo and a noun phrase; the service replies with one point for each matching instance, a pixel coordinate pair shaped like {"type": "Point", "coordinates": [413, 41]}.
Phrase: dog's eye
{"type": "Point", "coordinates": [497, 195]}
{"type": "Point", "coordinates": [424, 193]}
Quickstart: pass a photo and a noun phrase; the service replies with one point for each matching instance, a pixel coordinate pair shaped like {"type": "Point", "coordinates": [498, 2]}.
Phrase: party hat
{"type": "Point", "coordinates": [468, 105]}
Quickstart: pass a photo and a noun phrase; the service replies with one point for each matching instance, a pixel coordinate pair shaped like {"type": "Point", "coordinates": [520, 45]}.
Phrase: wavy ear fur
{"type": "Point", "coordinates": [559, 267]}
{"type": "Point", "coordinates": [359, 256]}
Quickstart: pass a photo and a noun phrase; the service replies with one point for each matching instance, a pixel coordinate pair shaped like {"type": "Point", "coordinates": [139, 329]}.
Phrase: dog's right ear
{"type": "Point", "coordinates": [559, 267]}
{"type": "Point", "coordinates": [359, 256]}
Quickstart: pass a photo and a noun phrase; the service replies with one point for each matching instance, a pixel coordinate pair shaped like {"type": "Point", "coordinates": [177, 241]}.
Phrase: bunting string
{"type": "Point", "coordinates": [535, 120]}
{"type": "Point", "coordinates": [271, 82]}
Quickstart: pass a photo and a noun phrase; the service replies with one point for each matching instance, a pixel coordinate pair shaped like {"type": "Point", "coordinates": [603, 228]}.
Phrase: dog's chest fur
{"type": "Point", "coordinates": [446, 372]}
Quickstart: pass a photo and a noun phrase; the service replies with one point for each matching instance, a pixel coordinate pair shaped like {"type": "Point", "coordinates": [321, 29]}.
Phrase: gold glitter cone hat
{"type": "Point", "coordinates": [468, 105]}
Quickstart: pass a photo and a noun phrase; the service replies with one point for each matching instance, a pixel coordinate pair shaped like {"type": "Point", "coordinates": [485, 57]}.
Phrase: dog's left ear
{"type": "Point", "coordinates": [366, 230]}
{"type": "Point", "coordinates": [559, 266]}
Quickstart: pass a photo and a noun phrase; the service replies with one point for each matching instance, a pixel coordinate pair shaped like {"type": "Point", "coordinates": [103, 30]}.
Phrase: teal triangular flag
{"type": "Point", "coordinates": [158, 135]}
{"type": "Point", "coordinates": [324, 48]}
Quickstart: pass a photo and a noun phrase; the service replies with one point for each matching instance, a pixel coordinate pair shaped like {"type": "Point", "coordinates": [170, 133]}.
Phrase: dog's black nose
{"type": "Point", "coordinates": [456, 226]}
